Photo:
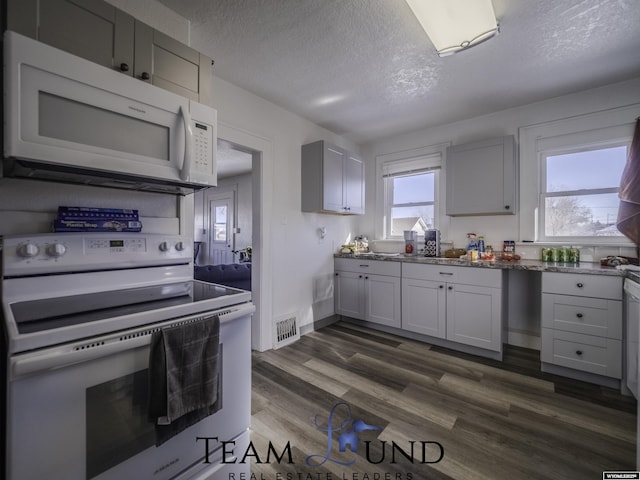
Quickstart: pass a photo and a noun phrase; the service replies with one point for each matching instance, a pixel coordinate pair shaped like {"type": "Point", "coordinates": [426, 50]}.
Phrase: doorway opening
{"type": "Point", "coordinates": [229, 218]}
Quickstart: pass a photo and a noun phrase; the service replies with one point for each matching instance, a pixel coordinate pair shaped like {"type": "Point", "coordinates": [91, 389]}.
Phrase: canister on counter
{"type": "Point", "coordinates": [563, 254]}
{"type": "Point", "coordinates": [555, 254]}
{"type": "Point", "coordinates": [547, 254]}
{"type": "Point", "coordinates": [509, 246]}
{"type": "Point", "coordinates": [574, 255]}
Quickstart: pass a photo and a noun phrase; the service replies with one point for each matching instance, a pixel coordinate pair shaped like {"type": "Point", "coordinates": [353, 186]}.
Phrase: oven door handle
{"type": "Point", "coordinates": [64, 356]}
{"type": "Point", "coordinates": [54, 358]}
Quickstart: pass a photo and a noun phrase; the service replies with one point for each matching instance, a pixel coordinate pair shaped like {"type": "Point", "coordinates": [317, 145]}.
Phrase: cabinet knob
{"type": "Point", "coordinates": [578, 352]}
{"type": "Point", "coordinates": [366, 278]}
{"type": "Point", "coordinates": [579, 285]}
{"type": "Point", "coordinates": [337, 274]}
{"type": "Point", "coordinates": [359, 276]}
{"type": "Point", "coordinates": [450, 287]}
{"type": "Point", "coordinates": [441, 286]}
{"type": "Point", "coordinates": [145, 76]}
{"type": "Point", "coordinates": [507, 207]}
{"type": "Point", "coordinates": [579, 315]}
{"type": "Point", "coordinates": [124, 67]}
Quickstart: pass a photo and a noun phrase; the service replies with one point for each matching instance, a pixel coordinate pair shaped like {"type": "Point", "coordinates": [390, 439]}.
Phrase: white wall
{"type": "Point", "coordinates": [301, 270]}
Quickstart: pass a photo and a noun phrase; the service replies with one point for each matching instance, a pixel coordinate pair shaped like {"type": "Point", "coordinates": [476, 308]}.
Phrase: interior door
{"type": "Point", "coordinates": [221, 221]}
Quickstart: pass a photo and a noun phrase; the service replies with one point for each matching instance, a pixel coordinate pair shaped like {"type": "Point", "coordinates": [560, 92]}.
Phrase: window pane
{"type": "Point", "coordinates": [416, 218]}
{"type": "Point", "coordinates": [582, 215]}
{"type": "Point", "coordinates": [413, 188]}
{"type": "Point", "coordinates": [586, 170]}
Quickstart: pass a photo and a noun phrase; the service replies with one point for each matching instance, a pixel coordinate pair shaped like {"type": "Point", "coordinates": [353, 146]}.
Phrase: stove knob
{"type": "Point", "coordinates": [56, 250]}
{"type": "Point", "coordinates": [28, 250]}
{"type": "Point", "coordinates": [164, 247]}
{"type": "Point", "coordinates": [180, 246]}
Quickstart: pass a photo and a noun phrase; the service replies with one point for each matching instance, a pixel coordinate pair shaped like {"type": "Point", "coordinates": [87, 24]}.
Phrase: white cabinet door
{"type": "Point", "coordinates": [474, 316]}
{"type": "Point", "coordinates": [424, 307]}
{"type": "Point", "coordinates": [333, 173]}
{"type": "Point", "coordinates": [349, 294]}
{"type": "Point", "coordinates": [482, 178]}
{"type": "Point", "coordinates": [382, 300]}
{"type": "Point", "coordinates": [353, 184]}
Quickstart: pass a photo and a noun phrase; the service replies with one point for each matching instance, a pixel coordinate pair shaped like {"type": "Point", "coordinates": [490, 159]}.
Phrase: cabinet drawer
{"type": "Point", "coordinates": [485, 277]}
{"type": "Point", "coordinates": [597, 286]}
{"type": "Point", "coordinates": [582, 352]}
{"type": "Point", "coordinates": [374, 267]}
{"type": "Point", "coordinates": [590, 316]}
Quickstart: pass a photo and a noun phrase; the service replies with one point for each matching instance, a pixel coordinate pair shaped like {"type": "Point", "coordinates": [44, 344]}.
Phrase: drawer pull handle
{"type": "Point", "coordinates": [445, 273]}
{"type": "Point", "coordinates": [580, 285]}
{"type": "Point", "coordinates": [364, 266]}
{"type": "Point", "coordinates": [578, 352]}
{"type": "Point", "coordinates": [579, 315]}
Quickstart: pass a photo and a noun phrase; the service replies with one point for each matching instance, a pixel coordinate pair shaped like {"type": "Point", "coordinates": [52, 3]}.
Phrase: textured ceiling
{"type": "Point", "coordinates": [365, 69]}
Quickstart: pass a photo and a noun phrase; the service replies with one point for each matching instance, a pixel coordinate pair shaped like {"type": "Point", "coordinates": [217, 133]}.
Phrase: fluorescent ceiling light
{"type": "Point", "coordinates": [454, 25]}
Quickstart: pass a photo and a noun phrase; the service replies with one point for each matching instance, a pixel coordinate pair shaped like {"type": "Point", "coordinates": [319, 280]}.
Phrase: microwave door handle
{"type": "Point", "coordinates": [185, 171]}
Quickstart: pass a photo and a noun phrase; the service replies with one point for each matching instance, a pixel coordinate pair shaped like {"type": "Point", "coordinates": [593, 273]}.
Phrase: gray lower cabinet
{"type": "Point", "coordinates": [460, 304]}
{"type": "Point", "coordinates": [101, 33]}
{"type": "Point", "coordinates": [482, 178]}
{"type": "Point", "coordinates": [332, 179]}
{"type": "Point", "coordinates": [368, 290]}
{"type": "Point", "coordinates": [582, 320]}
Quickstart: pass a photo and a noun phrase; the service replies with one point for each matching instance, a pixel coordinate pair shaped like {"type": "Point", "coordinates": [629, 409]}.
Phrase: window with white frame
{"type": "Point", "coordinates": [410, 195]}
{"type": "Point", "coordinates": [579, 191]}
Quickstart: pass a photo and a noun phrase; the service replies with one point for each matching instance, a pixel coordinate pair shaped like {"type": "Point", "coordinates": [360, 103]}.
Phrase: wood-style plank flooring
{"type": "Point", "coordinates": [493, 420]}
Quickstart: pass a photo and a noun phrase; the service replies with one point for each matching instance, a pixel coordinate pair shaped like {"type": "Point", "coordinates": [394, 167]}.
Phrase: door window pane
{"type": "Point", "coordinates": [220, 225]}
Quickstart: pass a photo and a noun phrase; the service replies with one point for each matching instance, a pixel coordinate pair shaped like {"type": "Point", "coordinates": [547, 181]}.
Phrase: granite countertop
{"type": "Point", "coordinates": [529, 265]}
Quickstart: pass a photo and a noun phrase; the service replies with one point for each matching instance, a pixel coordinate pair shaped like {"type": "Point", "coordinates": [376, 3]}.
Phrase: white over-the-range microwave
{"type": "Point", "coordinates": [68, 119]}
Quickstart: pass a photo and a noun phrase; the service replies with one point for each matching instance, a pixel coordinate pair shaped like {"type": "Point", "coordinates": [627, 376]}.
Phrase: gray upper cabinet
{"type": "Point", "coordinates": [332, 180]}
{"type": "Point", "coordinates": [101, 33]}
{"type": "Point", "coordinates": [482, 178]}
{"type": "Point", "coordinates": [91, 29]}
{"type": "Point", "coordinates": [171, 65]}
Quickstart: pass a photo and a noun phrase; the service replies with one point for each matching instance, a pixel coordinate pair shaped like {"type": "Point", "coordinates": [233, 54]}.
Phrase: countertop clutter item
{"type": "Point", "coordinates": [361, 244]}
{"type": "Point", "coordinates": [410, 242]}
{"type": "Point", "coordinates": [432, 243]}
{"type": "Point", "coordinates": [89, 219]}
{"type": "Point", "coordinates": [454, 252]}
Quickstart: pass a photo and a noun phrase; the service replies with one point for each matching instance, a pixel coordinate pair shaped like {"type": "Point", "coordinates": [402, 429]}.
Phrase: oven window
{"type": "Point", "coordinates": [118, 426]}
{"type": "Point", "coordinates": [117, 419]}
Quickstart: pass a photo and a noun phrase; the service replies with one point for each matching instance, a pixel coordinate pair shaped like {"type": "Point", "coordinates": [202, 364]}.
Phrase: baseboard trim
{"type": "Point", "coordinates": [318, 324]}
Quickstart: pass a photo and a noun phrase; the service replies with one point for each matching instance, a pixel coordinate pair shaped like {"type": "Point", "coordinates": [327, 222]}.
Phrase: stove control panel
{"type": "Point", "coordinates": [70, 252]}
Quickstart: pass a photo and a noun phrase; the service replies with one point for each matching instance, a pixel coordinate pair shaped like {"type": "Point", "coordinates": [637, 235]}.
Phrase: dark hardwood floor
{"type": "Point", "coordinates": [489, 420]}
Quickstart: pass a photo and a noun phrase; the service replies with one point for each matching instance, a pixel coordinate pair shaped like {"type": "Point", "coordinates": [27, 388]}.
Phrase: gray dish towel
{"type": "Point", "coordinates": [184, 376]}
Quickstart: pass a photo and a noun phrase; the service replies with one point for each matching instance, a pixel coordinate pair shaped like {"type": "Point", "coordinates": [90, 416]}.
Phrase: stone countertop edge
{"type": "Point", "coordinates": [530, 265]}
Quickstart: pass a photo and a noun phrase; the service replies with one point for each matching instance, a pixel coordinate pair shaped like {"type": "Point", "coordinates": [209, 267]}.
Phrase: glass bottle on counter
{"type": "Point", "coordinates": [481, 245]}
